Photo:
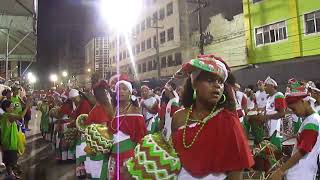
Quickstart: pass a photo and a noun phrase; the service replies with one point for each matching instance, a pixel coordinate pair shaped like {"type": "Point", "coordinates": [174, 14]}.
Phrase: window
{"type": "Point", "coordinates": [178, 58]}
{"type": "Point", "coordinates": [114, 59]}
{"type": "Point", "coordinates": [271, 33]}
{"type": "Point", "coordinates": [155, 17]}
{"type": "Point", "coordinates": [124, 55]}
{"type": "Point", "coordinates": [133, 50]}
{"type": "Point", "coordinates": [169, 9]}
{"type": "Point", "coordinates": [139, 68]}
{"type": "Point", "coordinates": [137, 28]}
{"type": "Point", "coordinates": [170, 61]}
{"type": "Point", "coordinates": [162, 37]}
{"type": "Point", "coordinates": [255, 1]}
{"type": "Point", "coordinates": [154, 41]}
{"type": "Point", "coordinates": [163, 62]}
{"type": "Point", "coordinates": [150, 66]}
{"type": "Point", "coordinates": [143, 25]}
{"type": "Point", "coordinates": [120, 56]}
{"type": "Point", "coordinates": [144, 67]}
{"type": "Point", "coordinates": [161, 14]}
{"type": "Point", "coordinates": [148, 21]}
{"type": "Point", "coordinates": [143, 46]}
{"type": "Point", "coordinates": [312, 22]}
{"type": "Point", "coordinates": [137, 48]}
{"type": "Point", "coordinates": [170, 34]}
{"type": "Point", "coordinates": [155, 65]}
{"type": "Point", "coordinates": [129, 70]}
{"type": "Point", "coordinates": [149, 43]}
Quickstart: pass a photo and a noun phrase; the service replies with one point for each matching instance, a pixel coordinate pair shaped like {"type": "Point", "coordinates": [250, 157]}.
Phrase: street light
{"type": "Point", "coordinates": [31, 78]}
{"type": "Point", "coordinates": [64, 74]}
{"type": "Point", "coordinates": [122, 22]}
{"type": "Point", "coordinates": [53, 78]}
{"type": "Point", "coordinates": [89, 70]}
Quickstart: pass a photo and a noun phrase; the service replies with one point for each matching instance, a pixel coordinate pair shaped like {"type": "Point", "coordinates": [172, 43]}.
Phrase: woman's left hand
{"type": "Point", "coordinates": [277, 175]}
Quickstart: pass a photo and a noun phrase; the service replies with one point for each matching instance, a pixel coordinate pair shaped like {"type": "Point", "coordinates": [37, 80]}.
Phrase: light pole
{"type": "Point", "coordinates": [53, 78]}
{"type": "Point", "coordinates": [155, 19]}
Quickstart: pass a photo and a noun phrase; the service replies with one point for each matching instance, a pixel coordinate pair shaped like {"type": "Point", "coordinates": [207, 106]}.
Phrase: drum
{"type": "Point", "coordinates": [98, 139]}
{"type": "Point", "coordinates": [255, 128]}
{"type": "Point", "coordinates": [80, 122]}
{"type": "Point", "coordinates": [154, 159]}
{"type": "Point", "coordinates": [266, 156]}
{"type": "Point", "coordinates": [287, 146]}
{"type": "Point", "coordinates": [70, 136]}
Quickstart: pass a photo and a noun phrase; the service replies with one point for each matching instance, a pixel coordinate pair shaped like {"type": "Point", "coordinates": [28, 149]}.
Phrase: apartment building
{"type": "Point", "coordinates": [279, 30]}
{"type": "Point", "coordinates": [166, 17]}
{"type": "Point", "coordinates": [97, 56]}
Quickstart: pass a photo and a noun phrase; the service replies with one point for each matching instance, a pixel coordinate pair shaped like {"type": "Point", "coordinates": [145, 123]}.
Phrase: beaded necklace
{"type": "Point", "coordinates": [124, 111]}
{"type": "Point", "coordinates": [212, 114]}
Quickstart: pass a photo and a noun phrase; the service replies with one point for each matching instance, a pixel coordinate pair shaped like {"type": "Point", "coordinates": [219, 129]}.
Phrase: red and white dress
{"type": "Point", "coordinates": [132, 129]}
{"type": "Point", "coordinates": [241, 102]}
{"type": "Point", "coordinates": [261, 99]}
{"type": "Point", "coordinates": [308, 141]}
{"type": "Point", "coordinates": [275, 103]}
{"type": "Point", "coordinates": [221, 147]}
{"type": "Point", "coordinates": [172, 106]}
{"type": "Point", "coordinates": [96, 165]}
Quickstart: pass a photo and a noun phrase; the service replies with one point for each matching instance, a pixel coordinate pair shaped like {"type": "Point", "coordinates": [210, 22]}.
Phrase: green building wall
{"type": "Point", "coordinates": [271, 11]}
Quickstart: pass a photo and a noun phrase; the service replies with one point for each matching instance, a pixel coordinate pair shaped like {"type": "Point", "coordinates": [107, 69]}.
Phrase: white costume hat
{"type": "Point", "coordinates": [73, 93]}
{"type": "Point", "coordinates": [270, 81]}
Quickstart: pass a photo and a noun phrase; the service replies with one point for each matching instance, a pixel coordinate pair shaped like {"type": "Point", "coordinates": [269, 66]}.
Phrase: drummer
{"type": "Point", "coordinates": [314, 90]}
{"type": "Point", "coordinates": [303, 162]}
{"type": "Point", "coordinates": [275, 108]}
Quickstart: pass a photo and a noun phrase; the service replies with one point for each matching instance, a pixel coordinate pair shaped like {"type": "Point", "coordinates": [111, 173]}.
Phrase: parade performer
{"type": "Point", "coordinates": [149, 106]}
{"type": "Point", "coordinates": [251, 99]}
{"type": "Point", "coordinates": [275, 108]}
{"type": "Point", "coordinates": [261, 96]}
{"type": "Point", "coordinates": [102, 113]}
{"type": "Point", "coordinates": [314, 90]}
{"type": "Point", "coordinates": [80, 106]}
{"type": "Point", "coordinates": [170, 108]}
{"type": "Point", "coordinates": [303, 164]}
{"type": "Point", "coordinates": [44, 124]}
{"type": "Point", "coordinates": [207, 134]}
{"type": "Point", "coordinates": [62, 115]}
{"type": "Point", "coordinates": [128, 128]}
{"type": "Point", "coordinates": [241, 103]}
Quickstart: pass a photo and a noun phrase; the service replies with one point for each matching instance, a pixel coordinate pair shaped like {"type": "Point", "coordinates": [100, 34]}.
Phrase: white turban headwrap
{"type": "Point", "coordinates": [73, 93]}
{"type": "Point", "coordinates": [126, 83]}
{"type": "Point", "coordinates": [270, 81]}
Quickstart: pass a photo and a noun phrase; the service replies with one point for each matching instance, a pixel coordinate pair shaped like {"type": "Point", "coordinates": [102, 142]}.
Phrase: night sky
{"type": "Point", "coordinates": [55, 20]}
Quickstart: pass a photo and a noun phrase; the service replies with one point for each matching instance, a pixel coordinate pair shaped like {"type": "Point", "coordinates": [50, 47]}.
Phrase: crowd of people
{"type": "Point", "coordinates": [208, 128]}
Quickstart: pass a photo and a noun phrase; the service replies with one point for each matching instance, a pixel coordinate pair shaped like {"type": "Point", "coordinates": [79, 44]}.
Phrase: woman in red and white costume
{"type": "Point", "coordinates": [102, 113]}
{"type": "Point", "coordinates": [207, 134]}
{"type": "Point", "coordinates": [128, 128]}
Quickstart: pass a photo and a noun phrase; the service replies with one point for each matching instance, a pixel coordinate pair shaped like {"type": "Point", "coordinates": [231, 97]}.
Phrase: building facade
{"type": "Point", "coordinates": [166, 17]}
{"type": "Point", "coordinates": [97, 56]}
{"type": "Point", "coordinates": [280, 30]}
{"type": "Point", "coordinates": [224, 38]}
